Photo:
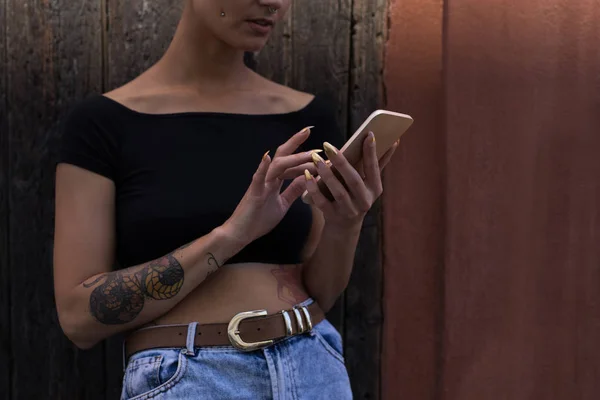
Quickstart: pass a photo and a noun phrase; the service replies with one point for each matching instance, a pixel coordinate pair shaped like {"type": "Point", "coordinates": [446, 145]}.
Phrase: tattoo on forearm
{"type": "Point", "coordinates": [120, 299]}
{"type": "Point", "coordinates": [212, 259]}
{"type": "Point", "coordinates": [212, 262]}
{"type": "Point", "coordinates": [289, 284]}
{"type": "Point", "coordinates": [90, 284]}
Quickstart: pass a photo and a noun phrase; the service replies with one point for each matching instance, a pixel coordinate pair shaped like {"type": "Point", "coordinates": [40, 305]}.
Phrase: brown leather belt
{"type": "Point", "coordinates": [246, 331]}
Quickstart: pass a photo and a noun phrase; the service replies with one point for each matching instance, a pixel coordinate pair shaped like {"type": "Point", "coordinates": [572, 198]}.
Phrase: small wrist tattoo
{"type": "Point", "coordinates": [212, 261]}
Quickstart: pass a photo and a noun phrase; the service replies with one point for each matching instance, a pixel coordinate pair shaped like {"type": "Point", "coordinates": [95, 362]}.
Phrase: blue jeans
{"type": "Point", "coordinates": [308, 366]}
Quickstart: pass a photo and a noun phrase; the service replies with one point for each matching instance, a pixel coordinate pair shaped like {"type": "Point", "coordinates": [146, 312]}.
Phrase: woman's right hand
{"type": "Point", "coordinates": [264, 205]}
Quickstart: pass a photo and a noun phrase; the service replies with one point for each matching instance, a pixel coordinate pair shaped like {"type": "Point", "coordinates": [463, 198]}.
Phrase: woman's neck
{"type": "Point", "coordinates": [197, 58]}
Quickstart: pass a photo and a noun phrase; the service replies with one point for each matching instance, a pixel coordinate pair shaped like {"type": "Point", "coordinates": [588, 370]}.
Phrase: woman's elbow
{"type": "Point", "coordinates": [326, 297]}
{"type": "Point", "coordinates": [325, 293]}
{"type": "Point", "coordinates": [327, 302]}
{"type": "Point", "coordinates": [75, 330]}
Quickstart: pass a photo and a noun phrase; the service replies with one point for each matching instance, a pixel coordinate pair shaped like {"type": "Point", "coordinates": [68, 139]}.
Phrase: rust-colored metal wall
{"type": "Point", "coordinates": [512, 201]}
{"type": "Point", "coordinates": [412, 204]}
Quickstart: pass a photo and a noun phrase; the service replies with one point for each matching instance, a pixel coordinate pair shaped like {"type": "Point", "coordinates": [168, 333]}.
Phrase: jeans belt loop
{"type": "Point", "coordinates": [191, 337]}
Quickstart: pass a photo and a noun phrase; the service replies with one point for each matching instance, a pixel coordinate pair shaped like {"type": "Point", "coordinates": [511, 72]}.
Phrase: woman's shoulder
{"type": "Point", "coordinates": [291, 100]}
{"type": "Point", "coordinates": [288, 100]}
{"type": "Point", "coordinates": [286, 96]}
{"type": "Point", "coordinates": [92, 107]}
{"type": "Point", "coordinates": [318, 110]}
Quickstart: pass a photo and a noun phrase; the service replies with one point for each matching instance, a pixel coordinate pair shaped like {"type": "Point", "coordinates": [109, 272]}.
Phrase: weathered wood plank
{"type": "Point", "coordinates": [139, 33]}
{"type": "Point", "coordinates": [275, 60]}
{"type": "Point", "coordinates": [363, 314]}
{"type": "Point", "coordinates": [5, 352]}
{"type": "Point", "coordinates": [53, 60]}
{"type": "Point", "coordinates": [321, 50]}
{"type": "Point", "coordinates": [320, 62]}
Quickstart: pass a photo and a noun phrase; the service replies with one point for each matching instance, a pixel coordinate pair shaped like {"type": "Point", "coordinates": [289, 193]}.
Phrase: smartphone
{"type": "Point", "coordinates": [387, 126]}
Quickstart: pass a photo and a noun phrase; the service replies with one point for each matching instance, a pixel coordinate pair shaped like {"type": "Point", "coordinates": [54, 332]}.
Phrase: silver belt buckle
{"type": "Point", "coordinates": [233, 331]}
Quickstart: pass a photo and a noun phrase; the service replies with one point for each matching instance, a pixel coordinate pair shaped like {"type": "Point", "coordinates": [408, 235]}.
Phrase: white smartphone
{"type": "Point", "coordinates": [387, 126]}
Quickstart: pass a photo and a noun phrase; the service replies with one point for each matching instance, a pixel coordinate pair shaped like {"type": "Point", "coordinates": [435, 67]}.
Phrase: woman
{"type": "Point", "coordinates": [164, 178]}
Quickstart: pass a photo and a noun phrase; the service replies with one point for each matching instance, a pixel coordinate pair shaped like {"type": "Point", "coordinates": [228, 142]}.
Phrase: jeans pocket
{"type": "Point", "coordinates": [152, 372]}
{"type": "Point", "coordinates": [330, 339]}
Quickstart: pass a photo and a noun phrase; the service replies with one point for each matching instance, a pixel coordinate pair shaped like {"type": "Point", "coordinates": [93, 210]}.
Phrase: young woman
{"type": "Point", "coordinates": [178, 216]}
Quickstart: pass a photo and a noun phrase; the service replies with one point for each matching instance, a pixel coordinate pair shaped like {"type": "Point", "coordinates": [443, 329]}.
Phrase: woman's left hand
{"type": "Point", "coordinates": [352, 201]}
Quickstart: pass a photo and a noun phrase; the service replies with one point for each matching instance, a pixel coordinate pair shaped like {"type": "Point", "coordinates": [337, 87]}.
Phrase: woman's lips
{"type": "Point", "coordinates": [261, 27]}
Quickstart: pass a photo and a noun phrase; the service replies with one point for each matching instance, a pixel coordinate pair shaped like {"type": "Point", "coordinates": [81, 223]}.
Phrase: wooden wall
{"type": "Point", "coordinates": [492, 211]}
{"type": "Point", "coordinates": [54, 57]}
{"type": "Point", "coordinates": [5, 347]}
{"type": "Point", "coordinates": [53, 54]}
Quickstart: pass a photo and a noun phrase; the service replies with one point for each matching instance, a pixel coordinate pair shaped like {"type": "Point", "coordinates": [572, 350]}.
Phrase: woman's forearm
{"type": "Point", "coordinates": [122, 300]}
{"type": "Point", "coordinates": [327, 273]}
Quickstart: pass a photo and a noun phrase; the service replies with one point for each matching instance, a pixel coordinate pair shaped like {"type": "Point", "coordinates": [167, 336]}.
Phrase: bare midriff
{"type": "Point", "coordinates": [237, 288]}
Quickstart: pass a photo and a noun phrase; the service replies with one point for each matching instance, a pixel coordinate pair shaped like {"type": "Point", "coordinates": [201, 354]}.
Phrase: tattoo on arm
{"type": "Point", "coordinates": [120, 299]}
{"type": "Point", "coordinates": [212, 261]}
{"type": "Point", "coordinates": [90, 284]}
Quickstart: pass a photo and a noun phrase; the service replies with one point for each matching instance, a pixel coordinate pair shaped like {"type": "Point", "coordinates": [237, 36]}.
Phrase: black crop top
{"type": "Point", "coordinates": [179, 176]}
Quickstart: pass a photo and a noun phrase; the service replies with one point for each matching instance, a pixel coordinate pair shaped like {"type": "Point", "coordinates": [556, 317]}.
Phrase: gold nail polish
{"type": "Point", "coordinates": [266, 154]}
{"type": "Point", "coordinates": [305, 130]}
{"type": "Point", "coordinates": [373, 137]}
{"type": "Point", "coordinates": [317, 158]}
{"type": "Point", "coordinates": [314, 151]}
{"type": "Point", "coordinates": [308, 175]}
{"type": "Point", "coordinates": [328, 162]}
{"type": "Point", "coordinates": [329, 149]}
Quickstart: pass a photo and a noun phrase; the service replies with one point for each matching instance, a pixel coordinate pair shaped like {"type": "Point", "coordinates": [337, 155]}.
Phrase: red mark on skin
{"type": "Point", "coordinates": [288, 279]}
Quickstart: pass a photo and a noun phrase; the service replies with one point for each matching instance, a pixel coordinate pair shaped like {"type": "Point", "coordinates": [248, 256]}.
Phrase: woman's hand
{"type": "Point", "coordinates": [353, 200]}
{"type": "Point", "coordinates": [264, 205]}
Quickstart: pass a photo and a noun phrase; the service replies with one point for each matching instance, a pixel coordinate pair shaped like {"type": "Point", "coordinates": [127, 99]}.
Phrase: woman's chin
{"type": "Point", "coordinates": [253, 49]}
{"type": "Point", "coordinates": [252, 45]}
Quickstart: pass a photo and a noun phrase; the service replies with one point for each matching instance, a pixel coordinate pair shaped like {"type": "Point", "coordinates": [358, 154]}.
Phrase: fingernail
{"type": "Point", "coordinates": [306, 130]}
{"type": "Point", "coordinates": [308, 175]}
{"type": "Point", "coordinates": [328, 162]}
{"type": "Point", "coordinates": [317, 159]}
{"type": "Point", "coordinates": [266, 154]}
{"type": "Point", "coordinates": [313, 151]}
{"type": "Point", "coordinates": [329, 149]}
{"type": "Point", "coordinates": [372, 135]}
{"type": "Point", "coordinates": [306, 199]}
